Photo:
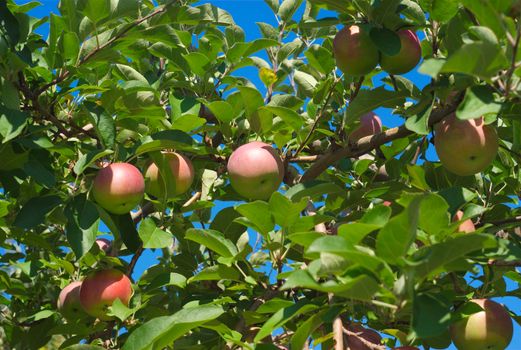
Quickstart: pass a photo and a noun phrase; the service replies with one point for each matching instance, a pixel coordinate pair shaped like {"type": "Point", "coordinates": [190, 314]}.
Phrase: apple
{"type": "Point", "coordinates": [489, 329]}
{"type": "Point", "coordinates": [69, 304]}
{"type": "Point", "coordinates": [465, 147]}
{"type": "Point", "coordinates": [355, 53]}
{"type": "Point", "coordinates": [104, 244]}
{"type": "Point", "coordinates": [370, 124]}
{"type": "Point", "coordinates": [100, 289]}
{"type": "Point", "coordinates": [118, 187]}
{"type": "Point", "coordinates": [255, 170]}
{"type": "Point", "coordinates": [466, 226]}
{"type": "Point", "coordinates": [408, 56]}
{"type": "Point", "coordinates": [179, 176]}
{"type": "Point", "coordinates": [354, 343]}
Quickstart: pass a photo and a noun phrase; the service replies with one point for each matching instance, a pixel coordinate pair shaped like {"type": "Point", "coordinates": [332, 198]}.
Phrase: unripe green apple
{"type": "Point", "coordinates": [370, 124]}
{"type": "Point", "coordinates": [100, 289]}
{"type": "Point", "coordinates": [355, 53]}
{"type": "Point", "coordinates": [465, 147]}
{"type": "Point", "coordinates": [255, 170]}
{"type": "Point", "coordinates": [408, 56]}
{"type": "Point", "coordinates": [354, 343]}
{"type": "Point", "coordinates": [489, 329]}
{"type": "Point", "coordinates": [179, 176]}
{"type": "Point", "coordinates": [466, 226]}
{"type": "Point", "coordinates": [118, 187]}
{"type": "Point", "coordinates": [69, 304]}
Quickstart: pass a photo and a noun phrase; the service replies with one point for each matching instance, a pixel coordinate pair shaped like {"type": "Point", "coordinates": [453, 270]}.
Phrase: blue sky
{"type": "Point", "coordinates": [245, 14]}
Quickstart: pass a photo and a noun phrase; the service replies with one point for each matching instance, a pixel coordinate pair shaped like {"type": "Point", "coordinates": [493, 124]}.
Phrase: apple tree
{"type": "Point", "coordinates": [284, 214]}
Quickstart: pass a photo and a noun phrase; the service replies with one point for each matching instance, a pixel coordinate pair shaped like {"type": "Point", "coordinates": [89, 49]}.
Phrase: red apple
{"type": "Point", "coordinates": [100, 289]}
{"type": "Point", "coordinates": [69, 302]}
{"type": "Point", "coordinates": [465, 147]}
{"type": "Point", "coordinates": [466, 226]}
{"type": "Point", "coordinates": [255, 170]}
{"type": "Point", "coordinates": [489, 329]}
{"type": "Point", "coordinates": [370, 124]}
{"type": "Point", "coordinates": [104, 244]}
{"type": "Point", "coordinates": [354, 343]}
{"type": "Point", "coordinates": [408, 56]}
{"type": "Point", "coordinates": [118, 188]}
{"type": "Point", "coordinates": [354, 51]}
{"type": "Point", "coordinates": [179, 176]}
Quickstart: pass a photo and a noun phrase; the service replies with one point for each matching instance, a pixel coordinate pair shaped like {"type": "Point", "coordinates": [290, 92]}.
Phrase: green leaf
{"type": "Point", "coordinates": [288, 8]}
{"type": "Point", "coordinates": [70, 46]}
{"type": "Point", "coordinates": [478, 101]}
{"type": "Point", "coordinates": [305, 82]}
{"type": "Point", "coordinates": [95, 10]}
{"type": "Point", "coordinates": [418, 122]}
{"type": "Point", "coordinates": [166, 139]}
{"type": "Point", "coordinates": [152, 236]}
{"type": "Point", "coordinates": [369, 100]}
{"type": "Point", "coordinates": [252, 99]}
{"type": "Point", "coordinates": [431, 316]}
{"type": "Point", "coordinates": [289, 116]}
{"type": "Point", "coordinates": [198, 62]}
{"type": "Point", "coordinates": [356, 231]}
{"type": "Point", "coordinates": [120, 310]}
{"type": "Point", "coordinates": [306, 328]}
{"type": "Point", "coordinates": [313, 189]}
{"type": "Point", "coordinates": [222, 110]}
{"type": "Point", "coordinates": [284, 211]}
{"type": "Point", "coordinates": [487, 15]}
{"type": "Point", "coordinates": [456, 197]}
{"type": "Point", "coordinates": [434, 216]}
{"type": "Point", "coordinates": [88, 159]}
{"type": "Point", "coordinates": [82, 224]}
{"type": "Point", "coordinates": [387, 41]}
{"type": "Point", "coordinates": [12, 123]}
{"type": "Point", "coordinates": [84, 347]}
{"type": "Point", "coordinates": [163, 331]}
{"type": "Point", "coordinates": [217, 273]}
{"type": "Point", "coordinates": [122, 226]}
{"type": "Point", "coordinates": [212, 240]}
{"type": "Point", "coordinates": [34, 211]}
{"type": "Point", "coordinates": [395, 238]}
{"type": "Point", "coordinates": [129, 73]}
{"type": "Point", "coordinates": [259, 215]}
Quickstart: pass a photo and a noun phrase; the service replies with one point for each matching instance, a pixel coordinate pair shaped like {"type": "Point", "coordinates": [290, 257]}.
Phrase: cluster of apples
{"type": "Point", "coordinates": [357, 55]}
{"type": "Point", "coordinates": [491, 329]}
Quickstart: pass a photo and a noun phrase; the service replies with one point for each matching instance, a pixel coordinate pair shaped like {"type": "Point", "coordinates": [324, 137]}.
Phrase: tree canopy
{"type": "Point", "coordinates": [362, 231]}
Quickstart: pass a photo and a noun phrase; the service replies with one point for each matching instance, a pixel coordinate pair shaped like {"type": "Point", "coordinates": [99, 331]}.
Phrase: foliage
{"type": "Point", "coordinates": [121, 80]}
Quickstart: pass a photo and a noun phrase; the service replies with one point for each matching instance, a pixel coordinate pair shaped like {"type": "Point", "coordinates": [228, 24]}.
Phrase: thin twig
{"type": "Point", "coordinates": [134, 260]}
{"type": "Point", "coordinates": [367, 343]}
{"type": "Point", "coordinates": [192, 200]}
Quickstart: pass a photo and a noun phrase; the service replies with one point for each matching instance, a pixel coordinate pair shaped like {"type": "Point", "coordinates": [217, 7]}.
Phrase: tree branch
{"type": "Point", "coordinates": [368, 143]}
{"type": "Point", "coordinates": [367, 343]}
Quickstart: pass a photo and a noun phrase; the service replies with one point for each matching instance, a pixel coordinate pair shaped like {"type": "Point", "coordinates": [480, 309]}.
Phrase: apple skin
{"type": "Point", "coordinates": [370, 124]}
{"type": "Point", "coordinates": [255, 170]}
{"type": "Point", "coordinates": [355, 52]}
{"type": "Point", "coordinates": [100, 289]}
{"type": "Point", "coordinates": [465, 147]}
{"type": "Point", "coordinates": [466, 226]}
{"type": "Point", "coordinates": [118, 188]}
{"type": "Point", "coordinates": [408, 56]}
{"type": "Point", "coordinates": [69, 304]}
{"type": "Point", "coordinates": [182, 172]}
{"type": "Point", "coordinates": [368, 334]}
{"type": "Point", "coordinates": [104, 244]}
{"type": "Point", "coordinates": [490, 329]}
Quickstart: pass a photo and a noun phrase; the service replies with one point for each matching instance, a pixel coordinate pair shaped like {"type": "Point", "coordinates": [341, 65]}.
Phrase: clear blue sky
{"type": "Point", "coordinates": [246, 13]}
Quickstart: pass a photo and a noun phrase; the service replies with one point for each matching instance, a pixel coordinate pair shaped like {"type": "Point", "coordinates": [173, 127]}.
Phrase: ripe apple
{"type": "Point", "coordinates": [104, 244]}
{"type": "Point", "coordinates": [255, 170]}
{"type": "Point", "coordinates": [408, 56]}
{"type": "Point", "coordinates": [118, 187]}
{"type": "Point", "coordinates": [466, 226]}
{"type": "Point", "coordinates": [489, 329]}
{"type": "Point", "coordinates": [179, 176]}
{"type": "Point", "coordinates": [465, 147]}
{"type": "Point", "coordinates": [100, 289]}
{"type": "Point", "coordinates": [69, 302]}
{"type": "Point", "coordinates": [370, 124]}
{"type": "Point", "coordinates": [354, 343]}
{"type": "Point", "coordinates": [354, 51]}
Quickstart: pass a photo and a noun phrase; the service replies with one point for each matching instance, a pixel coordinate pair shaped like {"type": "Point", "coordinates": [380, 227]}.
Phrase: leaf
{"type": "Point", "coordinates": [258, 213]}
{"type": "Point", "coordinates": [419, 121]}
{"type": "Point", "coordinates": [122, 226]}
{"type": "Point", "coordinates": [212, 240]}
{"type": "Point", "coordinates": [34, 211]}
{"type": "Point", "coordinates": [166, 139]}
{"type": "Point", "coordinates": [281, 317]}
{"type": "Point", "coordinates": [70, 46]}
{"type": "Point", "coordinates": [456, 197]}
{"type": "Point", "coordinates": [163, 331]}
{"type": "Point", "coordinates": [252, 99]}
{"type": "Point", "coordinates": [369, 100]}
{"type": "Point", "coordinates": [387, 41]}
{"type": "Point", "coordinates": [129, 73]}
{"type": "Point", "coordinates": [152, 236]}
{"type": "Point", "coordinates": [288, 8]}
{"type": "Point", "coordinates": [217, 273]}
{"type": "Point", "coordinates": [313, 189]}
{"type": "Point", "coordinates": [487, 15]}
{"type": "Point", "coordinates": [198, 62]}
{"type": "Point", "coordinates": [289, 116]}
{"type": "Point", "coordinates": [431, 316]}
{"type": "Point", "coordinates": [395, 238]}
{"type": "Point", "coordinates": [120, 310]}
{"type": "Point", "coordinates": [305, 82]}
{"type": "Point", "coordinates": [82, 225]}
{"type": "Point", "coordinates": [356, 231]}
{"type": "Point", "coordinates": [95, 10]}
{"type": "Point", "coordinates": [440, 10]}
{"type": "Point", "coordinates": [12, 123]}
{"type": "Point", "coordinates": [284, 211]}
{"type": "Point", "coordinates": [306, 328]}
{"type": "Point", "coordinates": [88, 159]}
{"type": "Point", "coordinates": [84, 347]}
{"type": "Point", "coordinates": [478, 101]}
{"type": "Point", "coordinates": [222, 110]}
